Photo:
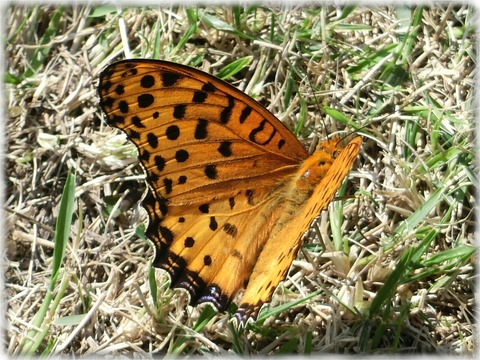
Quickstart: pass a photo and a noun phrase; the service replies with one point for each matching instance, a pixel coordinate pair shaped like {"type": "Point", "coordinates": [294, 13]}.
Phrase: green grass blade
{"type": "Point", "coordinates": [62, 232]}
{"type": "Point", "coordinates": [192, 17]}
{"type": "Point", "coordinates": [41, 53]}
{"type": "Point", "coordinates": [234, 67]}
{"type": "Point", "coordinates": [62, 228]}
{"type": "Point", "coordinates": [419, 215]}
{"type": "Point", "coordinates": [386, 292]}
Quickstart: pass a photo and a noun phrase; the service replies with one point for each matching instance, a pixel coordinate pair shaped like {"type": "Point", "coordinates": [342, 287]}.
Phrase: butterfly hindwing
{"type": "Point", "coordinates": [286, 235]}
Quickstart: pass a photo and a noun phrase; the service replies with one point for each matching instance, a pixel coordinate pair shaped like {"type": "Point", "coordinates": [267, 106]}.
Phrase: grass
{"type": "Point", "coordinates": [389, 269]}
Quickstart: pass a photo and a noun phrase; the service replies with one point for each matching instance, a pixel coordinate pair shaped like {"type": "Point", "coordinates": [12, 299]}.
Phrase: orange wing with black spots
{"type": "Point", "coordinates": [231, 190]}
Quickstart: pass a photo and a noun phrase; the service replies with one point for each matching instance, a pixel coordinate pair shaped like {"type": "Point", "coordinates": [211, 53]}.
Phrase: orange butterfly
{"type": "Point", "coordinates": [231, 190]}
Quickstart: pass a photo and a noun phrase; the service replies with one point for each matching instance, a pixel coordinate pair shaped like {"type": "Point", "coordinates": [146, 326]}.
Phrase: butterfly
{"type": "Point", "coordinates": [231, 191]}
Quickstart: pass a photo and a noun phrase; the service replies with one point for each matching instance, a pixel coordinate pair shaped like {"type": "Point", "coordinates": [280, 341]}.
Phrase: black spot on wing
{"type": "Point", "coordinates": [226, 113]}
{"type": "Point", "coordinates": [145, 100]}
{"type": "Point", "coordinates": [260, 130]}
{"type": "Point", "coordinates": [169, 78]}
{"type": "Point", "coordinates": [211, 171]}
{"type": "Point", "coordinates": [230, 229]}
{"type": "Point", "coordinates": [201, 129]}
{"type": "Point", "coordinates": [225, 148]}
{"type": "Point", "coordinates": [147, 81]}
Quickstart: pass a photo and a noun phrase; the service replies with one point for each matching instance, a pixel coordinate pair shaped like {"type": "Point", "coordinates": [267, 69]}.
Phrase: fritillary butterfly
{"type": "Point", "coordinates": [231, 190]}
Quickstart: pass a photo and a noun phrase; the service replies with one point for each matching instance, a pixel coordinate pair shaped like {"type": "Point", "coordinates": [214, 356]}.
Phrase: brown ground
{"type": "Point", "coordinates": [417, 121]}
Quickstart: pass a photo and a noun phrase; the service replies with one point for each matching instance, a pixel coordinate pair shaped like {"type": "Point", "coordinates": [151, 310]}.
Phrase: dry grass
{"type": "Point", "coordinates": [395, 269]}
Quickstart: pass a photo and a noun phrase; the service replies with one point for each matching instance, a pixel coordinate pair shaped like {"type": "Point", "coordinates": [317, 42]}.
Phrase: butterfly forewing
{"type": "Point", "coordinates": [212, 155]}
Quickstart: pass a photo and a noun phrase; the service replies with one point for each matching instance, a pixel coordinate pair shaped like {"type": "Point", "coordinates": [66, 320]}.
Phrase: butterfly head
{"type": "Point", "coordinates": [315, 167]}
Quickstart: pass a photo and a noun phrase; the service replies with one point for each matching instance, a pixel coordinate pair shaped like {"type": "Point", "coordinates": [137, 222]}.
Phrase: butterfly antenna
{"type": "Point", "coordinates": [358, 129]}
{"type": "Point", "coordinates": [317, 102]}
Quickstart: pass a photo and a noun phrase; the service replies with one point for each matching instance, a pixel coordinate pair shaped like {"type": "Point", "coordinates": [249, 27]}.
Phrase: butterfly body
{"type": "Point", "coordinates": [231, 191]}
